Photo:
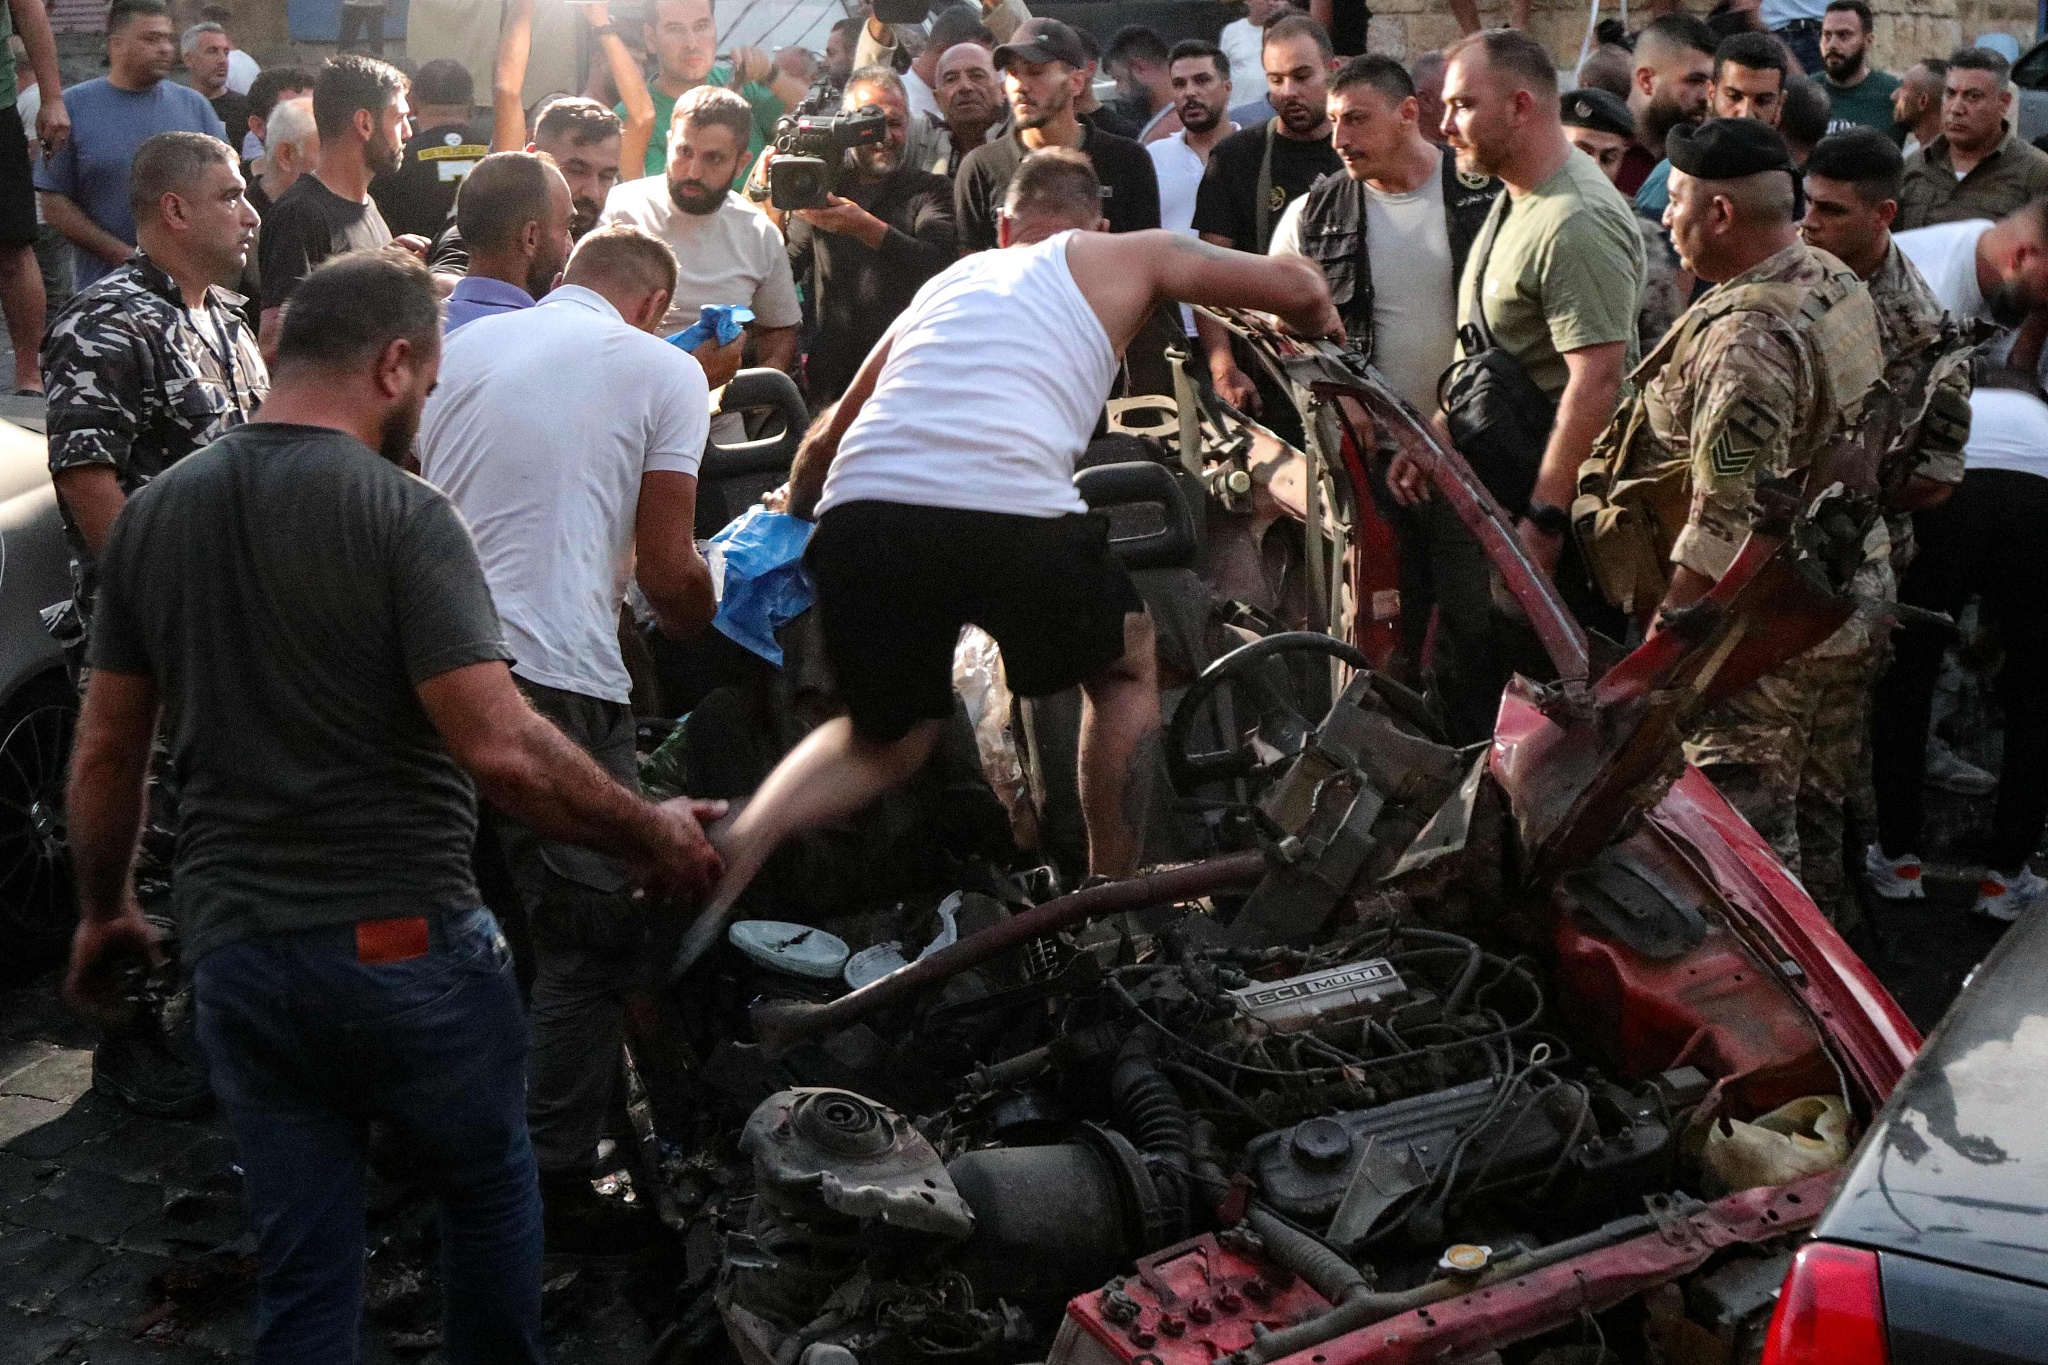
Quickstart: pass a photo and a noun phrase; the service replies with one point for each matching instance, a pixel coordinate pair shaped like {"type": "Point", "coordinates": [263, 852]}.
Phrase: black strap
{"type": "Point", "coordinates": [1263, 221]}
{"type": "Point", "coordinates": [1475, 316]}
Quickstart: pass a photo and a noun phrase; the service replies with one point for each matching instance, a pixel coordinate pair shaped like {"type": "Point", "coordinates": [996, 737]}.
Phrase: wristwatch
{"type": "Point", "coordinates": [1548, 518]}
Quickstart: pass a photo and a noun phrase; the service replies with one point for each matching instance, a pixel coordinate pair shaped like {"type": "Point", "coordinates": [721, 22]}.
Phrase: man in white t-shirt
{"type": "Point", "coordinates": [943, 487]}
{"type": "Point", "coordinates": [727, 251]}
{"type": "Point", "coordinates": [1241, 40]}
{"type": "Point", "coordinates": [1200, 74]}
{"type": "Point", "coordinates": [569, 436]}
{"type": "Point", "coordinates": [1981, 270]}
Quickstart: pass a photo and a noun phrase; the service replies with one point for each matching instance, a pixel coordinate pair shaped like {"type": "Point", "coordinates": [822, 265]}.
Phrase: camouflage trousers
{"type": "Point", "coordinates": [1787, 752]}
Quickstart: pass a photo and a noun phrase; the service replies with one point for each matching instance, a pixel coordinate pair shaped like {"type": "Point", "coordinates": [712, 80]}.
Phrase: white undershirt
{"type": "Point", "coordinates": [996, 375]}
{"type": "Point", "coordinates": [2008, 430]}
{"type": "Point", "coordinates": [1946, 256]}
{"type": "Point", "coordinates": [1415, 291]}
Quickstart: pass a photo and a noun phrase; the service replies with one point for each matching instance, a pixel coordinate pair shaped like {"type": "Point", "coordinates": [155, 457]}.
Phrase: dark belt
{"type": "Point", "coordinates": [1799, 26]}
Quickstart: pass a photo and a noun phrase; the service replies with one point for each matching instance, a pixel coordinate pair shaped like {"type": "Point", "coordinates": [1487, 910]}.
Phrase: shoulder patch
{"type": "Point", "coordinates": [1746, 432]}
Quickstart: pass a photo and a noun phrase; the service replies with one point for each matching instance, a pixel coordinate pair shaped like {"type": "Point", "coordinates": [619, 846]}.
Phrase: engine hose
{"type": "Point", "coordinates": [1364, 1308]}
{"type": "Point", "coordinates": [1474, 955]}
{"type": "Point", "coordinates": [1309, 1256]}
{"type": "Point", "coordinates": [1151, 1115]}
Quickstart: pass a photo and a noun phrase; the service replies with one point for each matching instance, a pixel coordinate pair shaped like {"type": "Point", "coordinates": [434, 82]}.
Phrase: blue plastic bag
{"type": "Point", "coordinates": [722, 320]}
{"type": "Point", "coordinates": [757, 567]}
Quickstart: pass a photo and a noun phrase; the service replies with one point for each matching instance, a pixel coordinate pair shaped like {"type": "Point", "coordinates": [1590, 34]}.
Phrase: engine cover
{"type": "Point", "coordinates": [1191, 1304]}
{"type": "Point", "coordinates": [1302, 1002]}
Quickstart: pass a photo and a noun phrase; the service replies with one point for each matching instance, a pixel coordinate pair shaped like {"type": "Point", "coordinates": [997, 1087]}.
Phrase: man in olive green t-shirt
{"type": "Point", "coordinates": [683, 37]}
{"type": "Point", "coordinates": [1564, 278]}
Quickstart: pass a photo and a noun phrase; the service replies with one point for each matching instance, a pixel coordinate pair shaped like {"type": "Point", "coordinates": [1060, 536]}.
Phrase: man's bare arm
{"type": "Point", "coordinates": [103, 807]}
{"type": "Point", "coordinates": [92, 494]}
{"type": "Point", "coordinates": [62, 212]}
{"type": "Point", "coordinates": [508, 79]}
{"type": "Point", "coordinates": [637, 129]}
{"type": "Point", "coordinates": [1591, 390]}
{"type": "Point", "coordinates": [32, 22]}
{"type": "Point", "coordinates": [671, 573]}
{"type": "Point", "coordinates": [1124, 276]}
{"type": "Point", "coordinates": [529, 769]}
{"type": "Point", "coordinates": [821, 444]}
{"type": "Point", "coordinates": [775, 348]}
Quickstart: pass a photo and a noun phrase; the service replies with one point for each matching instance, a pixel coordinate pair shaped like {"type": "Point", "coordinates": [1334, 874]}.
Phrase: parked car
{"type": "Point", "coordinates": [1934, 1250]}
{"type": "Point", "coordinates": [37, 706]}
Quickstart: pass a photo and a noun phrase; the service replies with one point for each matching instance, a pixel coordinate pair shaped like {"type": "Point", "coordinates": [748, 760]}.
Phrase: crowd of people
{"type": "Point", "coordinates": [1723, 260]}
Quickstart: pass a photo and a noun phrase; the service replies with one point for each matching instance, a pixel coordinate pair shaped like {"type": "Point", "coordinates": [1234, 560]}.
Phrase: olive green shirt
{"type": "Point", "coordinates": [1553, 278]}
{"type": "Point", "coordinates": [2011, 176]}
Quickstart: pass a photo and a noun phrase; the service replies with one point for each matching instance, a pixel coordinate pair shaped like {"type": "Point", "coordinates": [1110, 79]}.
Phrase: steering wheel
{"type": "Point", "coordinates": [1281, 725]}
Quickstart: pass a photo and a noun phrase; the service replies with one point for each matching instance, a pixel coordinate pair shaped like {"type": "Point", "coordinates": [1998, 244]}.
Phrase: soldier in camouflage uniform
{"type": "Point", "coordinates": [152, 361]}
{"type": "Point", "coordinates": [147, 365]}
{"type": "Point", "coordinates": [1758, 378]}
{"type": "Point", "coordinates": [1852, 188]}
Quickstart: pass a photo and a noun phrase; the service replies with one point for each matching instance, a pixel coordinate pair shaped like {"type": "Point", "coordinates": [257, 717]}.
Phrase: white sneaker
{"type": "Point", "coordinates": [1952, 773]}
{"type": "Point", "coordinates": [1894, 879]}
{"type": "Point", "coordinates": [2006, 898]}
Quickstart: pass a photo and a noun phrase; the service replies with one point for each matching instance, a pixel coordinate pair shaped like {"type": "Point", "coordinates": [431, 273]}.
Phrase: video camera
{"type": "Point", "coordinates": [811, 143]}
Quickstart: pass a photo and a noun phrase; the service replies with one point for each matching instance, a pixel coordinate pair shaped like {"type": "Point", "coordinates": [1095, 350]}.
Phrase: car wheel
{"type": "Point", "coordinates": [37, 908]}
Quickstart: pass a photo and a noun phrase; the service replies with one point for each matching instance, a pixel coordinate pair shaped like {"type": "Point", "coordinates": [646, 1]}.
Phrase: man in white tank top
{"type": "Point", "coordinates": [943, 487]}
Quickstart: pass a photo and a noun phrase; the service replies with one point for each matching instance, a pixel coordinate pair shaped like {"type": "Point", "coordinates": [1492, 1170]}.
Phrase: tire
{"type": "Point", "coordinates": [37, 906]}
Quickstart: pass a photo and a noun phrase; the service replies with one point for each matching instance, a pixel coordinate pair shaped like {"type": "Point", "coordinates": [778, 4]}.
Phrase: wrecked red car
{"type": "Point", "coordinates": [1530, 1051]}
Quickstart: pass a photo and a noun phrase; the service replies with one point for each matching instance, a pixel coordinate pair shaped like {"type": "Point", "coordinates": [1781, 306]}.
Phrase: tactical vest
{"type": "Point", "coordinates": [1333, 236]}
{"type": "Point", "coordinates": [1635, 494]}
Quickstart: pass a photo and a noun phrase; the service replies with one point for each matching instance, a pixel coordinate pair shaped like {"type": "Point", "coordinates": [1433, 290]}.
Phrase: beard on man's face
{"type": "Point", "coordinates": [1656, 121]}
{"type": "Point", "coordinates": [695, 198]}
{"type": "Point", "coordinates": [401, 425]}
{"type": "Point", "coordinates": [1842, 65]}
{"type": "Point", "coordinates": [583, 216]}
{"type": "Point", "coordinates": [1197, 117]}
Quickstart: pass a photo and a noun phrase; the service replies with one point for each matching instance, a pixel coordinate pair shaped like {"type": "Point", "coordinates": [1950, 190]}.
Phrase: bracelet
{"type": "Point", "coordinates": [1548, 518]}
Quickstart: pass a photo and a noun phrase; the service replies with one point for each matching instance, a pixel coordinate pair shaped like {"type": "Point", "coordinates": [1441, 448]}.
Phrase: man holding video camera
{"type": "Point", "coordinates": [866, 247]}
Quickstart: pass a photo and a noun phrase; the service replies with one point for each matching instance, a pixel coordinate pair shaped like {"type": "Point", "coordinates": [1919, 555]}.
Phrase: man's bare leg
{"type": "Point", "coordinates": [829, 776]}
{"type": "Point", "coordinates": [21, 298]}
{"type": "Point", "coordinates": [1120, 752]}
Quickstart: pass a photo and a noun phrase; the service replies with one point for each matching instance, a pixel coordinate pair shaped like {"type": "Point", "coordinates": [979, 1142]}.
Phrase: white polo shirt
{"type": "Point", "coordinates": [735, 255]}
{"type": "Point", "coordinates": [543, 423]}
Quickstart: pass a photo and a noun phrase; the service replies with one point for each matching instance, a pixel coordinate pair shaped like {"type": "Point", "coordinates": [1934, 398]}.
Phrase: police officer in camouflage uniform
{"type": "Point", "coordinates": [150, 363]}
{"type": "Point", "coordinates": [1757, 379]}
{"type": "Point", "coordinates": [154, 360]}
{"type": "Point", "coordinates": [1852, 192]}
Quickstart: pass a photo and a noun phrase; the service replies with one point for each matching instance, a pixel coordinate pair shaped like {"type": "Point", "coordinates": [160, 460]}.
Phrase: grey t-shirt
{"type": "Point", "coordinates": [287, 588]}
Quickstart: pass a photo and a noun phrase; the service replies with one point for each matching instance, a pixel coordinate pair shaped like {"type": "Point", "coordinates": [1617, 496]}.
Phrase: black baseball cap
{"type": "Point", "coordinates": [1043, 40]}
{"type": "Point", "coordinates": [1601, 110]}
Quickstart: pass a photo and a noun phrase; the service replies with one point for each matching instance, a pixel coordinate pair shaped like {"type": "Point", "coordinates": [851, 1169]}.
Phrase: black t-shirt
{"type": "Point", "coordinates": [1226, 204]}
{"type": "Point", "coordinates": [287, 588]}
{"type": "Point", "coordinates": [420, 194]}
{"type": "Point", "coordinates": [234, 112]}
{"type": "Point", "coordinates": [857, 290]}
{"type": "Point", "coordinates": [449, 255]}
{"type": "Point", "coordinates": [307, 224]}
{"type": "Point", "coordinates": [1130, 187]}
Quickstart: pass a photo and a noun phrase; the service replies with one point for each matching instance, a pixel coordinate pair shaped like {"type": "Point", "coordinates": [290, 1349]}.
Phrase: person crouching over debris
{"type": "Point", "coordinates": [943, 488]}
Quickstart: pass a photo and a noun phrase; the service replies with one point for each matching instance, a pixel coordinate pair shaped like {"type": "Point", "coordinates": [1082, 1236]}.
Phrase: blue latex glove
{"type": "Point", "coordinates": [724, 321]}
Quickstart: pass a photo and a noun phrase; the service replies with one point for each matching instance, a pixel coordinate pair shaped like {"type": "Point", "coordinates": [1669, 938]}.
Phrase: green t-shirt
{"type": "Point", "coordinates": [1866, 104]}
{"type": "Point", "coordinates": [1551, 276]}
{"type": "Point", "coordinates": [8, 88]}
{"type": "Point", "coordinates": [767, 109]}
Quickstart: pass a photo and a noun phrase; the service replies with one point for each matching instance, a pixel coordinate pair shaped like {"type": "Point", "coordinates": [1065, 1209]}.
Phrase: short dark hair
{"type": "Point", "coordinates": [1862, 158]}
{"type": "Point", "coordinates": [578, 117]}
{"type": "Point", "coordinates": [1136, 43]}
{"type": "Point", "coordinates": [443, 81]}
{"type": "Point", "coordinates": [712, 106]}
{"type": "Point", "coordinates": [270, 86]}
{"type": "Point", "coordinates": [1980, 59]}
{"type": "Point", "coordinates": [217, 14]}
{"type": "Point", "coordinates": [1936, 67]}
{"type": "Point", "coordinates": [1680, 30]}
{"type": "Point", "coordinates": [1057, 181]}
{"type": "Point", "coordinates": [1608, 67]}
{"type": "Point", "coordinates": [1296, 25]}
{"type": "Point", "coordinates": [848, 29]}
{"type": "Point", "coordinates": [620, 253]}
{"type": "Point", "coordinates": [121, 11]}
{"type": "Point", "coordinates": [348, 83]}
{"type": "Point", "coordinates": [1804, 117]}
{"type": "Point", "coordinates": [1513, 50]}
{"type": "Point", "coordinates": [958, 24]}
{"type": "Point", "coordinates": [1753, 52]}
{"type": "Point", "coordinates": [1859, 8]}
{"type": "Point", "coordinates": [1383, 74]}
{"type": "Point", "coordinates": [1188, 49]}
{"type": "Point", "coordinates": [502, 194]}
{"type": "Point", "coordinates": [169, 163]}
{"type": "Point", "coordinates": [354, 305]}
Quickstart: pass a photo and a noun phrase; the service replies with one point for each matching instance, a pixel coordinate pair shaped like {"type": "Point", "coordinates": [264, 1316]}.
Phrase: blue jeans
{"type": "Point", "coordinates": [305, 1045]}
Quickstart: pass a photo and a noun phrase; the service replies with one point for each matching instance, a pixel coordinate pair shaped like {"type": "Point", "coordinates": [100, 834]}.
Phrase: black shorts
{"type": "Point", "coordinates": [896, 583]}
{"type": "Point", "coordinates": [17, 188]}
